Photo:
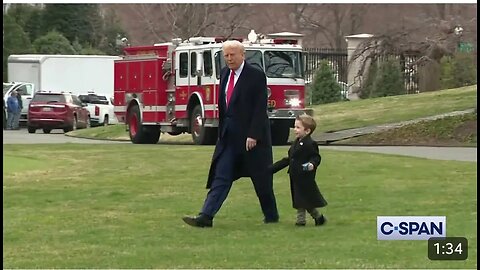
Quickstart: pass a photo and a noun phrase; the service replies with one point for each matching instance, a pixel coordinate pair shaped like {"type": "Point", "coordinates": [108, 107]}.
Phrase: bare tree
{"type": "Point", "coordinates": [357, 17]}
{"type": "Point", "coordinates": [324, 25]}
{"type": "Point", "coordinates": [429, 38]}
{"type": "Point", "coordinates": [231, 18]}
{"type": "Point", "coordinates": [162, 22]}
{"type": "Point", "coordinates": [331, 21]}
{"type": "Point", "coordinates": [441, 11]}
{"type": "Point", "coordinates": [146, 16]}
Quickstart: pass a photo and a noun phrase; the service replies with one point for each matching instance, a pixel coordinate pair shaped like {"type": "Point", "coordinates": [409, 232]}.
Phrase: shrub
{"type": "Point", "coordinates": [385, 79]}
{"type": "Point", "coordinates": [325, 88]}
{"type": "Point", "coordinates": [458, 70]}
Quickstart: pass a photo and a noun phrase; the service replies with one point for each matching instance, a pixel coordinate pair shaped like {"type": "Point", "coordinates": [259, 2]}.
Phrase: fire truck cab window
{"type": "Point", "coordinates": [219, 63]}
{"type": "Point", "coordinates": [207, 63]}
{"type": "Point", "coordinates": [193, 64]}
{"type": "Point", "coordinates": [183, 65]}
{"type": "Point", "coordinates": [283, 64]}
{"type": "Point", "coordinates": [254, 58]}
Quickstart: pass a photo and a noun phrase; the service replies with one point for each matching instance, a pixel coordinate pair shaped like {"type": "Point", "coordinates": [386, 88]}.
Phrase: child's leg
{"type": "Point", "coordinates": [317, 216]}
{"type": "Point", "coordinates": [314, 213]}
{"type": "Point", "coordinates": [301, 217]}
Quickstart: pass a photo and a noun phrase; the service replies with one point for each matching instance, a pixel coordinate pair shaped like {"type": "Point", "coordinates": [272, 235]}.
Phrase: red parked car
{"type": "Point", "coordinates": [49, 111]}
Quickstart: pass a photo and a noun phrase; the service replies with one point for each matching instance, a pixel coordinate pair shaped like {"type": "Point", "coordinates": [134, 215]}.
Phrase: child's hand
{"type": "Point", "coordinates": [308, 166]}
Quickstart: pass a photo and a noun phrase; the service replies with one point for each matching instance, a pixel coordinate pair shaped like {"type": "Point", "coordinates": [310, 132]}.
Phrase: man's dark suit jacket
{"type": "Point", "coordinates": [245, 116]}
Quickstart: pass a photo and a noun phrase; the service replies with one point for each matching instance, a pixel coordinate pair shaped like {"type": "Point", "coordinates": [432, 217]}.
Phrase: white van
{"type": "Point", "coordinates": [26, 90]}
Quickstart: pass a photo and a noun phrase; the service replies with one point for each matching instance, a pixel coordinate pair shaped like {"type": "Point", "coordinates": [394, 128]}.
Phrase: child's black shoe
{"type": "Point", "coordinates": [300, 224]}
{"type": "Point", "coordinates": [320, 220]}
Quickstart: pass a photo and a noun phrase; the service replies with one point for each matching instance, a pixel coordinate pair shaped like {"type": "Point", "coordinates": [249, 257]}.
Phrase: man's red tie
{"type": "Point", "coordinates": [231, 83]}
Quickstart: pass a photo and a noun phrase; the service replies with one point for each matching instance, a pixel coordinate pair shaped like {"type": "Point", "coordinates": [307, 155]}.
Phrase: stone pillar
{"type": "Point", "coordinates": [429, 75]}
{"type": "Point", "coordinates": [353, 80]}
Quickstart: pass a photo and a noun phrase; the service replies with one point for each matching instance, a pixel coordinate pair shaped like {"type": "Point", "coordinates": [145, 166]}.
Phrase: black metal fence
{"type": "Point", "coordinates": [408, 62]}
{"type": "Point", "coordinates": [337, 60]}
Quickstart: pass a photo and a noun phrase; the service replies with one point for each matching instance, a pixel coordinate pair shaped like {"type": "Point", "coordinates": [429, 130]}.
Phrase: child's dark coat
{"type": "Point", "coordinates": [305, 192]}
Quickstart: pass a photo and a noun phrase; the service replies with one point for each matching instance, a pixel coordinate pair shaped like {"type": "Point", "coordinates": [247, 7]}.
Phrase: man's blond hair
{"type": "Point", "coordinates": [307, 121]}
{"type": "Point", "coordinates": [233, 44]}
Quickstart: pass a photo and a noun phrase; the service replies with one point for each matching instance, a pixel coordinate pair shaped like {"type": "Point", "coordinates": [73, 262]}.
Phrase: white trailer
{"type": "Point", "coordinates": [77, 74]}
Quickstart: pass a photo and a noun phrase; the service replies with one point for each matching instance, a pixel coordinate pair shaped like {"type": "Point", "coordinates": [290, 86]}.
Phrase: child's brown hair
{"type": "Point", "coordinates": [307, 121]}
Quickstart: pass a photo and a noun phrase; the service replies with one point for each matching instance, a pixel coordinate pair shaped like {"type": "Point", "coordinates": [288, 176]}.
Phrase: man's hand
{"type": "Point", "coordinates": [250, 144]}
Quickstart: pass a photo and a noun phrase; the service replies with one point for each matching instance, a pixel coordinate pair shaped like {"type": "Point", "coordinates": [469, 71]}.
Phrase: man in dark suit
{"type": "Point", "coordinates": [244, 146]}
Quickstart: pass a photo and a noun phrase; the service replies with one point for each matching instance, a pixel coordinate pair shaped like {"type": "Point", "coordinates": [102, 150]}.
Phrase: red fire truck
{"type": "Point", "coordinates": [173, 87]}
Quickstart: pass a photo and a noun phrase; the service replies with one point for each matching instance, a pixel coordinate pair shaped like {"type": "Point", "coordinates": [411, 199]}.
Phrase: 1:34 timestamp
{"type": "Point", "coordinates": [448, 248]}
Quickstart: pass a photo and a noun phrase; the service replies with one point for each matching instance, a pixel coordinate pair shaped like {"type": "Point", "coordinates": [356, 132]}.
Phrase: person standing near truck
{"type": "Point", "coordinates": [16, 121]}
{"type": "Point", "coordinates": [4, 115]}
{"type": "Point", "coordinates": [13, 110]}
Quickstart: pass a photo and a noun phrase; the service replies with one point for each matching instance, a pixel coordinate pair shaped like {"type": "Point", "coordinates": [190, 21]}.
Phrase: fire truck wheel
{"type": "Point", "coordinates": [139, 133]}
{"type": "Point", "coordinates": [152, 134]}
{"type": "Point", "coordinates": [200, 133]}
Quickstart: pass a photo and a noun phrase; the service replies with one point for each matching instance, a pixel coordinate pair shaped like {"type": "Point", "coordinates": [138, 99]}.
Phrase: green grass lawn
{"type": "Point", "coordinates": [366, 112]}
{"type": "Point", "coordinates": [460, 130]}
{"type": "Point", "coordinates": [351, 114]}
{"type": "Point", "coordinates": [120, 206]}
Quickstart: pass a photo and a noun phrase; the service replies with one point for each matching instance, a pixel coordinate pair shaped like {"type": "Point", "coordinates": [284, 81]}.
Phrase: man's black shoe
{"type": "Point", "coordinates": [199, 221]}
{"type": "Point", "coordinates": [320, 221]}
{"type": "Point", "coordinates": [270, 221]}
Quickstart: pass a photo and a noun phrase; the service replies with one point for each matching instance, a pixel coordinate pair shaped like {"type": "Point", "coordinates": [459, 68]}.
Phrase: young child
{"type": "Point", "coordinates": [303, 160]}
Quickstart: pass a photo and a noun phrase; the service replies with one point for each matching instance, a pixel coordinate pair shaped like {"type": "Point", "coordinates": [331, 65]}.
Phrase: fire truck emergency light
{"type": "Point", "coordinates": [252, 36]}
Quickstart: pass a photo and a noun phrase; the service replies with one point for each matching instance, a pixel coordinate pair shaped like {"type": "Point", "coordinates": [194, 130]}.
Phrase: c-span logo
{"type": "Point", "coordinates": [410, 227]}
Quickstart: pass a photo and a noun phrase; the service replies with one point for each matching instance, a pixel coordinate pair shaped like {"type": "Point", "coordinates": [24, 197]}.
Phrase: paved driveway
{"type": "Point", "coordinates": [441, 153]}
{"type": "Point", "coordinates": [56, 136]}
